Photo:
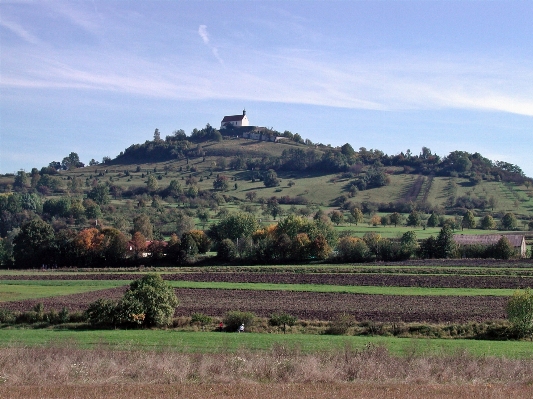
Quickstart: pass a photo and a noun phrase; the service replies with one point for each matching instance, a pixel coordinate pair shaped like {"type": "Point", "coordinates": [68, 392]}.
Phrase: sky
{"type": "Point", "coordinates": [94, 77]}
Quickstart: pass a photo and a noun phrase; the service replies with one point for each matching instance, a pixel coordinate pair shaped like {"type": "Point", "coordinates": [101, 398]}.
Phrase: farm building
{"type": "Point", "coordinates": [235, 120]}
{"type": "Point", "coordinates": [517, 241]}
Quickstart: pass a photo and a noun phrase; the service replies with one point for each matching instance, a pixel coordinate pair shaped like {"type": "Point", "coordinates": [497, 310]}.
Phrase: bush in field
{"type": "Point", "coordinates": [282, 319]}
{"type": "Point", "coordinates": [235, 318]}
{"type": "Point", "coordinates": [101, 312]}
{"type": "Point", "coordinates": [149, 301]}
{"type": "Point", "coordinates": [340, 324]}
{"type": "Point", "coordinates": [7, 317]}
{"type": "Point", "coordinates": [520, 312]}
{"type": "Point", "coordinates": [352, 249]}
{"type": "Point", "coordinates": [200, 318]}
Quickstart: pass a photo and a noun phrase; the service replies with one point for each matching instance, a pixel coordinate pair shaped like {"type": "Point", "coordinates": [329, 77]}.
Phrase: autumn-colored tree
{"type": "Point", "coordinates": [89, 245]}
{"type": "Point", "coordinates": [320, 249]}
{"type": "Point", "coordinates": [375, 220]}
{"type": "Point", "coordinates": [138, 244]}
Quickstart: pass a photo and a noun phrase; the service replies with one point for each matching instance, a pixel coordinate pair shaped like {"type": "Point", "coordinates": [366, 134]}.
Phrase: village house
{"type": "Point", "coordinates": [517, 241]}
{"type": "Point", "coordinates": [235, 121]}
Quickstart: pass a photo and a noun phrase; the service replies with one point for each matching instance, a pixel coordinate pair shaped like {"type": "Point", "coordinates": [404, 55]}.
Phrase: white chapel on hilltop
{"type": "Point", "coordinates": [235, 120]}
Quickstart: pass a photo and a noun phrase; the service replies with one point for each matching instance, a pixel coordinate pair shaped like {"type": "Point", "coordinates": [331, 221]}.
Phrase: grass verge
{"type": "Point", "coordinates": [215, 342]}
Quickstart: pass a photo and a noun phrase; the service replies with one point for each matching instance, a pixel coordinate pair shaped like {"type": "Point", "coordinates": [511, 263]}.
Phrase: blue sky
{"type": "Point", "coordinates": [94, 77]}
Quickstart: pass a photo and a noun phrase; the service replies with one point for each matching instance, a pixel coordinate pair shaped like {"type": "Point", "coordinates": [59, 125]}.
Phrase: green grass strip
{"type": "Point", "coordinates": [19, 290]}
{"type": "Point", "coordinates": [214, 342]}
{"type": "Point", "coordinates": [372, 290]}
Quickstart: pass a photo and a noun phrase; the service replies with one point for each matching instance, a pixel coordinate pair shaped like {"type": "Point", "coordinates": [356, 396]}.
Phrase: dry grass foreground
{"type": "Point", "coordinates": [65, 372]}
{"type": "Point", "coordinates": [273, 391]}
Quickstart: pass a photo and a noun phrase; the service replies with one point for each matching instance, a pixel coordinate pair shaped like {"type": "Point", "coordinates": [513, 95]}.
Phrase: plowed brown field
{"type": "Point", "coordinates": [305, 305]}
{"type": "Point", "coordinates": [380, 280]}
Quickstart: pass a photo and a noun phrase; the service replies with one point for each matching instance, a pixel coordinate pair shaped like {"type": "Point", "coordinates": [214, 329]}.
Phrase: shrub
{"type": "Point", "coordinates": [341, 324]}
{"type": "Point", "coordinates": [282, 319]}
{"type": "Point", "coordinates": [149, 301]}
{"type": "Point", "coordinates": [226, 250]}
{"type": "Point", "coordinates": [101, 313]}
{"type": "Point", "coordinates": [520, 312]}
{"type": "Point", "coordinates": [7, 316]}
{"type": "Point", "coordinates": [234, 318]}
{"type": "Point", "coordinates": [200, 318]}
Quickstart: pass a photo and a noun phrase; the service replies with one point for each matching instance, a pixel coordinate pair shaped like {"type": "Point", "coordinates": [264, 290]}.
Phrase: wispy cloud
{"type": "Point", "coordinates": [19, 31]}
{"type": "Point", "coordinates": [202, 31]}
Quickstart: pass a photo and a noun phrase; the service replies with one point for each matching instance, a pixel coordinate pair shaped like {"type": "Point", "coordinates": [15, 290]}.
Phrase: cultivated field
{"type": "Point", "coordinates": [172, 363]}
{"type": "Point", "coordinates": [436, 293]}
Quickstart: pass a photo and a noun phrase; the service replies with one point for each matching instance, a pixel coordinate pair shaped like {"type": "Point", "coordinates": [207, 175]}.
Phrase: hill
{"type": "Point", "coordinates": [170, 186]}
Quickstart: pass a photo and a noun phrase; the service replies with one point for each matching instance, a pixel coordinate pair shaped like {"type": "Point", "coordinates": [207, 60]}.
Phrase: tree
{"type": "Point", "coordinates": [234, 226]}
{"type": "Point", "coordinates": [503, 249]}
{"type": "Point", "coordinates": [352, 249]}
{"type": "Point", "coordinates": [469, 221]}
{"type": "Point", "coordinates": [151, 183]}
{"type": "Point", "coordinates": [520, 312]}
{"type": "Point", "coordinates": [445, 245]}
{"type": "Point", "coordinates": [114, 245]}
{"type": "Point", "coordinates": [100, 194]}
{"type": "Point", "coordinates": [409, 244]}
{"type": "Point", "coordinates": [202, 241]}
{"type": "Point", "coordinates": [138, 244]}
{"type": "Point", "coordinates": [226, 250]}
{"type": "Point", "coordinates": [395, 218]}
{"type": "Point", "coordinates": [372, 240]}
{"type": "Point", "coordinates": [336, 217]}
{"type": "Point", "coordinates": [143, 225]}
{"type": "Point", "coordinates": [31, 246]}
{"type": "Point", "coordinates": [282, 319]}
{"type": "Point", "coordinates": [357, 215]}
{"type": "Point", "coordinates": [428, 248]}
{"type": "Point", "coordinates": [433, 220]}
{"type": "Point", "coordinates": [21, 180]}
{"type": "Point", "coordinates": [203, 216]}
{"type": "Point", "coordinates": [149, 301]}
{"type": "Point", "coordinates": [273, 208]}
{"type": "Point", "coordinates": [221, 183]}
{"type": "Point", "coordinates": [414, 219]}
{"type": "Point", "coordinates": [375, 220]}
{"type": "Point", "coordinates": [493, 203]}
{"type": "Point", "coordinates": [174, 188]}
{"type": "Point", "coordinates": [71, 162]}
{"type": "Point", "coordinates": [270, 178]}
{"type": "Point", "coordinates": [88, 244]}
{"type": "Point", "coordinates": [488, 223]}
{"type": "Point", "coordinates": [157, 136]}
{"type": "Point", "coordinates": [251, 196]}
{"type": "Point", "coordinates": [347, 150]}
{"type": "Point", "coordinates": [509, 221]}
{"type": "Point", "coordinates": [92, 209]}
